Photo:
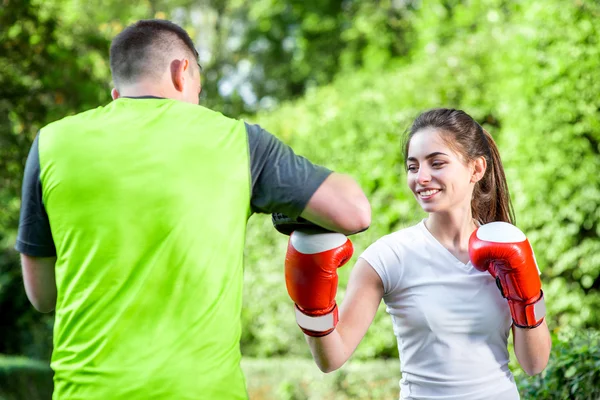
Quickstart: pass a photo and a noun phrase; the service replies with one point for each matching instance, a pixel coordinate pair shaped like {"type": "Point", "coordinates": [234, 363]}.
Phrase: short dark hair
{"type": "Point", "coordinates": [143, 49]}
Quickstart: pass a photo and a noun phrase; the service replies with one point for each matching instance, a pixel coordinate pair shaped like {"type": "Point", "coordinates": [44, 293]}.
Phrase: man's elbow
{"type": "Point", "coordinates": [44, 308]}
{"type": "Point", "coordinates": [42, 305]}
{"type": "Point", "coordinates": [40, 282]}
{"type": "Point", "coordinates": [363, 215]}
{"type": "Point", "coordinates": [356, 220]}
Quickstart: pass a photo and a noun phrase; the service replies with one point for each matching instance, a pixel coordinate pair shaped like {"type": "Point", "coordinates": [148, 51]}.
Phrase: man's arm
{"type": "Point", "coordinates": [283, 182]}
{"type": "Point", "coordinates": [39, 280]}
{"type": "Point", "coordinates": [340, 205]}
{"type": "Point", "coordinates": [34, 239]}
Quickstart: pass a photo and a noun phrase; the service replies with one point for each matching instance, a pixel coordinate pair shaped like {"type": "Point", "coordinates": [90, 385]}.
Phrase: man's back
{"type": "Point", "coordinates": [148, 201]}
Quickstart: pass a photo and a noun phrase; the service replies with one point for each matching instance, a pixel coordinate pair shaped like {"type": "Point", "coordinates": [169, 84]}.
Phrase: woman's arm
{"type": "Point", "coordinates": [503, 250]}
{"type": "Point", "coordinates": [363, 295]}
{"type": "Point", "coordinates": [532, 347]}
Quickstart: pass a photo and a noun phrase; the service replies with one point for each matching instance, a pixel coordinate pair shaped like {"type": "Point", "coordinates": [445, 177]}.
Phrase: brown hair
{"type": "Point", "coordinates": [491, 199]}
{"type": "Point", "coordinates": [142, 50]}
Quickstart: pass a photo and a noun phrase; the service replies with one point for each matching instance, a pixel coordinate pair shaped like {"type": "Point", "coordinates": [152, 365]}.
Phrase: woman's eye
{"type": "Point", "coordinates": [437, 164]}
{"type": "Point", "coordinates": [412, 168]}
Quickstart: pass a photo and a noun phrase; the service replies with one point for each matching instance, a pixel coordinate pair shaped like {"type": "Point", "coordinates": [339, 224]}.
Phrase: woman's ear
{"type": "Point", "coordinates": [479, 168]}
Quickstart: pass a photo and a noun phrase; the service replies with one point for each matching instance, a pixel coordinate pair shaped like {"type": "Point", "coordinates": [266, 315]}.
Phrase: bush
{"type": "Point", "coordinates": [527, 71]}
{"type": "Point", "coordinates": [573, 372]}
{"type": "Point", "coordinates": [21, 378]}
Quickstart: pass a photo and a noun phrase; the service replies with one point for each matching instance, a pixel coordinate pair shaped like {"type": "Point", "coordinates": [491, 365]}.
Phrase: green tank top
{"type": "Point", "coordinates": [148, 201]}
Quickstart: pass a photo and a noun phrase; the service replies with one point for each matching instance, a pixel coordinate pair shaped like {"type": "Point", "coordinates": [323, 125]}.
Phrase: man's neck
{"type": "Point", "coordinates": [144, 89]}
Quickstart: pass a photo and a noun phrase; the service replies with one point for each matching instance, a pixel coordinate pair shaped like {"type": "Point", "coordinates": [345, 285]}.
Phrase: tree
{"type": "Point", "coordinates": [45, 75]}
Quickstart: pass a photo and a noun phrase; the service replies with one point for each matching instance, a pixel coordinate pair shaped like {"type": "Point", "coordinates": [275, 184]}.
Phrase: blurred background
{"type": "Point", "coordinates": [340, 81]}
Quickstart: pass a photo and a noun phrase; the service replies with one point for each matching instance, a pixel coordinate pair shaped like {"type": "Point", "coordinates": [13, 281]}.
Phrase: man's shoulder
{"type": "Point", "coordinates": [200, 110]}
{"type": "Point", "coordinates": [179, 110]}
{"type": "Point", "coordinates": [73, 119]}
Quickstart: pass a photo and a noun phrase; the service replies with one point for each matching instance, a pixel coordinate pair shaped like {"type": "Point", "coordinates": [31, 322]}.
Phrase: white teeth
{"type": "Point", "coordinates": [426, 193]}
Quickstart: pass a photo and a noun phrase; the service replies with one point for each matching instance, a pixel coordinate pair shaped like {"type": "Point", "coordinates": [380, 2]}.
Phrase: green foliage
{"type": "Point", "coordinates": [21, 378]}
{"type": "Point", "coordinates": [308, 43]}
{"type": "Point", "coordinates": [552, 133]}
{"type": "Point", "coordinates": [506, 64]}
{"type": "Point", "coordinates": [258, 53]}
{"type": "Point", "coordinates": [573, 373]}
{"type": "Point", "coordinates": [31, 95]}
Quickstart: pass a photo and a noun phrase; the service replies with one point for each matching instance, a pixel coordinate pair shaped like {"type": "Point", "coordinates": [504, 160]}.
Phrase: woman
{"type": "Point", "coordinates": [451, 321]}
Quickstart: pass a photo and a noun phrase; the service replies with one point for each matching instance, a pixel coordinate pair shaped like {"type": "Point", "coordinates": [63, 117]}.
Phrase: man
{"type": "Point", "coordinates": [133, 222]}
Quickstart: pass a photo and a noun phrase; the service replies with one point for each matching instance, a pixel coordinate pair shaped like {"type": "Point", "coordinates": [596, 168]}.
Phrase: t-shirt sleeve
{"type": "Point", "coordinates": [282, 182]}
{"type": "Point", "coordinates": [386, 262]}
{"type": "Point", "coordinates": [34, 237]}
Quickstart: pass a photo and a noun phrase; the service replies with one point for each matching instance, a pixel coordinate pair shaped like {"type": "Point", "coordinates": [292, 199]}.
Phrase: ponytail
{"type": "Point", "coordinates": [491, 198]}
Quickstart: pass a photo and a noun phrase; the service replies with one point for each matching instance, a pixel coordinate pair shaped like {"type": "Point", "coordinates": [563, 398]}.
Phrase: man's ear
{"type": "Point", "coordinates": [479, 168]}
{"type": "Point", "coordinates": [115, 93]}
{"type": "Point", "coordinates": [178, 70]}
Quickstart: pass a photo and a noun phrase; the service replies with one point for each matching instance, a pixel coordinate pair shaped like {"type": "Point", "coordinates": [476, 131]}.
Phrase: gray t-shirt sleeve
{"type": "Point", "coordinates": [34, 237]}
{"type": "Point", "coordinates": [282, 182]}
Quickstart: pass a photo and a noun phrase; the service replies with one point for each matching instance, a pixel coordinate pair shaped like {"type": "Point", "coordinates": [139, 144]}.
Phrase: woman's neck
{"type": "Point", "coordinates": [452, 229]}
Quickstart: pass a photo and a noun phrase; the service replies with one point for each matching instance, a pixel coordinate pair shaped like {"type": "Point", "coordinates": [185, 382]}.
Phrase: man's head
{"type": "Point", "coordinates": [155, 57]}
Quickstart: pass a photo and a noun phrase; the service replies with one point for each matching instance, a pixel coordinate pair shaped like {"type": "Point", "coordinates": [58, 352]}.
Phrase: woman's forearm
{"type": "Point", "coordinates": [532, 348]}
{"type": "Point", "coordinates": [363, 296]}
{"type": "Point", "coordinates": [329, 352]}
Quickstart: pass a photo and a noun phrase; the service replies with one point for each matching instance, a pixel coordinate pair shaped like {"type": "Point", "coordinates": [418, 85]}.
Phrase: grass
{"type": "Point", "coordinates": [278, 379]}
{"type": "Point", "coordinates": [266, 379]}
{"type": "Point", "coordinates": [300, 379]}
{"type": "Point", "coordinates": [22, 378]}
{"type": "Point", "coordinates": [271, 379]}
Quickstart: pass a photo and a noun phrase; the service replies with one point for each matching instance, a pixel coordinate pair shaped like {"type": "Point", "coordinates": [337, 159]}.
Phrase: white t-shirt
{"type": "Point", "coordinates": [450, 320]}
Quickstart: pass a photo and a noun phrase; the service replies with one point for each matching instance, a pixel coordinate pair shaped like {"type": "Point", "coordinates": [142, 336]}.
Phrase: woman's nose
{"type": "Point", "coordinates": [424, 176]}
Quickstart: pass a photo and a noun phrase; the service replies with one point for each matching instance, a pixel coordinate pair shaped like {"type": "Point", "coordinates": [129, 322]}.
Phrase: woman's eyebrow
{"type": "Point", "coordinates": [428, 156]}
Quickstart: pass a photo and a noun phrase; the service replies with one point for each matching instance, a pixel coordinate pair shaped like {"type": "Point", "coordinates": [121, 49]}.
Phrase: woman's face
{"type": "Point", "coordinates": [439, 178]}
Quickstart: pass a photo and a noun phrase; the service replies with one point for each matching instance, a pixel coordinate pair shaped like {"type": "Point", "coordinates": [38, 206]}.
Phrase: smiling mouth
{"type": "Point", "coordinates": [424, 194]}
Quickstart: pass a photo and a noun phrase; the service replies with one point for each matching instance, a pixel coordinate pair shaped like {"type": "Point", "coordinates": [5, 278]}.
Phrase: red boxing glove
{"type": "Point", "coordinates": [311, 278]}
{"type": "Point", "coordinates": [504, 251]}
